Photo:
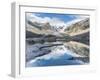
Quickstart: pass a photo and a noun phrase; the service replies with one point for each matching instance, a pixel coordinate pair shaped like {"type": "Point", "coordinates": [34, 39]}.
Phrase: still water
{"type": "Point", "coordinates": [56, 54]}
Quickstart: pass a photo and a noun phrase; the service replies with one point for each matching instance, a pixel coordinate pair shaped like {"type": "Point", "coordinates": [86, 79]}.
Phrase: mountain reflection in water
{"type": "Point", "coordinates": [67, 53]}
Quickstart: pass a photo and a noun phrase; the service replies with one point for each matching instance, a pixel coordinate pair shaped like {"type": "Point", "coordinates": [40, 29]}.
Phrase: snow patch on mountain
{"type": "Point", "coordinates": [54, 23]}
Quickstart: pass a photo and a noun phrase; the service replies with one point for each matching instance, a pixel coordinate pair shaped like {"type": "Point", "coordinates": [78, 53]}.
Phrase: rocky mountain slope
{"type": "Point", "coordinates": [78, 31]}
{"type": "Point", "coordinates": [78, 28]}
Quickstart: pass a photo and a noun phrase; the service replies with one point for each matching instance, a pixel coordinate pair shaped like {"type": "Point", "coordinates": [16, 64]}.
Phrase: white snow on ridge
{"type": "Point", "coordinates": [56, 23]}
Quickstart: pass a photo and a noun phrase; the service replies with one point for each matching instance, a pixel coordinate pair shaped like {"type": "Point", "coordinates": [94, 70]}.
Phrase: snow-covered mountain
{"type": "Point", "coordinates": [71, 26]}
{"type": "Point", "coordinates": [45, 26]}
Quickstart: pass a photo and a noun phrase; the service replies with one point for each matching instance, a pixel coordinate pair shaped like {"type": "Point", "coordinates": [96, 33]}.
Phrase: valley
{"type": "Point", "coordinates": [47, 43]}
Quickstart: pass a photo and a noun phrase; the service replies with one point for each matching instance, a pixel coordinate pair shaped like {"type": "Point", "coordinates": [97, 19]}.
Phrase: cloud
{"type": "Point", "coordinates": [54, 21]}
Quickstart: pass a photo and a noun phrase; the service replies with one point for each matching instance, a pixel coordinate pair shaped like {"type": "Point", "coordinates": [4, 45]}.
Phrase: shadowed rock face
{"type": "Point", "coordinates": [78, 27]}
{"type": "Point", "coordinates": [30, 34]}
{"type": "Point", "coordinates": [83, 38]}
{"type": "Point", "coordinates": [79, 31]}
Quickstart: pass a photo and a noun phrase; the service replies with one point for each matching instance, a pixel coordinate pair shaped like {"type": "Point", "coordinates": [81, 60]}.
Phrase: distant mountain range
{"type": "Point", "coordinates": [73, 28]}
{"type": "Point", "coordinates": [45, 26]}
{"type": "Point", "coordinates": [78, 31]}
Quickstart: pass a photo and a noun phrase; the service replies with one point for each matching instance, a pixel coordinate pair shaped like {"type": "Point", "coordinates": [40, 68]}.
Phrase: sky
{"type": "Point", "coordinates": [63, 17]}
{"type": "Point", "coordinates": [55, 19]}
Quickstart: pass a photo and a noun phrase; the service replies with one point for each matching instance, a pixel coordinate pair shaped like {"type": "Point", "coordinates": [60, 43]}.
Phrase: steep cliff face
{"type": "Point", "coordinates": [83, 38]}
{"type": "Point", "coordinates": [78, 28]}
{"type": "Point", "coordinates": [79, 31]}
{"type": "Point", "coordinates": [38, 28]}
